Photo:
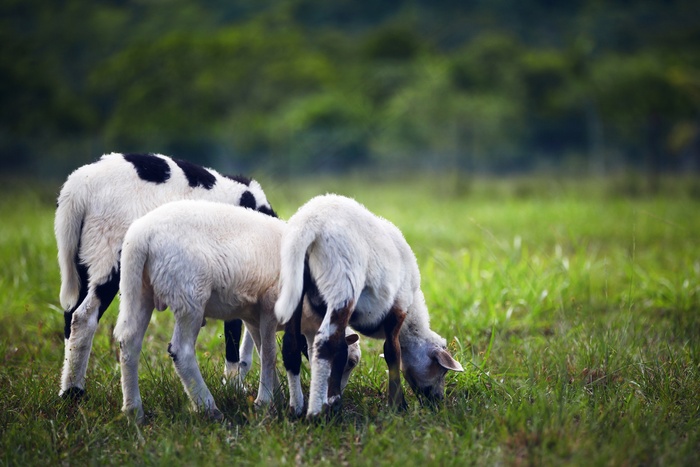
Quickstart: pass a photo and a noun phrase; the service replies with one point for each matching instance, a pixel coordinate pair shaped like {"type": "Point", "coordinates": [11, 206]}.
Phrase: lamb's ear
{"type": "Point", "coordinates": [446, 361]}
{"type": "Point", "coordinates": [351, 339]}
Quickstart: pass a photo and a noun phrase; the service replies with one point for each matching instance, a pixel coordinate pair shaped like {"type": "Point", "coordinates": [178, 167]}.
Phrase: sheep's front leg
{"type": "Point", "coordinates": [269, 381]}
{"type": "Point", "coordinates": [392, 354]}
{"type": "Point", "coordinates": [182, 351]}
{"type": "Point", "coordinates": [328, 362]}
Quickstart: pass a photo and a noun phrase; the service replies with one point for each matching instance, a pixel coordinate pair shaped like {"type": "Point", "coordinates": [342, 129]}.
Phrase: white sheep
{"type": "Point", "coordinates": [368, 277]}
{"type": "Point", "coordinates": [201, 259]}
{"type": "Point", "coordinates": [96, 205]}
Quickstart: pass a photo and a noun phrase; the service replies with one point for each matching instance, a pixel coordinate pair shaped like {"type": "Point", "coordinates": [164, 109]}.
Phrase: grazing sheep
{"type": "Point", "coordinates": [201, 259]}
{"type": "Point", "coordinates": [368, 277]}
{"type": "Point", "coordinates": [96, 205]}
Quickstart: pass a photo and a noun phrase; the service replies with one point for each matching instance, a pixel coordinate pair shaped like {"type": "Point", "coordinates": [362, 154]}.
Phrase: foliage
{"type": "Point", "coordinates": [572, 305]}
{"type": "Point", "coordinates": [294, 85]}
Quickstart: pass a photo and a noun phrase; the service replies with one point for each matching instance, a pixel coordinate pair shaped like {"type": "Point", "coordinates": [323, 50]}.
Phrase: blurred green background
{"type": "Point", "coordinates": [310, 86]}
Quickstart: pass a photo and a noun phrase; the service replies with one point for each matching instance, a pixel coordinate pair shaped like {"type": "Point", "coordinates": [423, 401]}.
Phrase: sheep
{"type": "Point", "coordinates": [201, 259]}
{"type": "Point", "coordinates": [96, 205]}
{"type": "Point", "coordinates": [368, 277]}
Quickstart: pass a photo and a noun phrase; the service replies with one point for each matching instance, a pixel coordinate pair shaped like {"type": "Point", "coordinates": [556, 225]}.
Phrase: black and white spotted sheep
{"type": "Point", "coordinates": [96, 205]}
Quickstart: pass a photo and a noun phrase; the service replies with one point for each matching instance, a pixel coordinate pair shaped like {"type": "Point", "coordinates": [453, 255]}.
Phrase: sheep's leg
{"type": "Point", "coordinates": [238, 362]}
{"type": "Point", "coordinates": [79, 330]}
{"type": "Point", "coordinates": [130, 343]}
{"type": "Point", "coordinates": [182, 351]}
{"type": "Point", "coordinates": [269, 381]}
{"type": "Point", "coordinates": [329, 357]}
{"type": "Point", "coordinates": [291, 355]}
{"type": "Point", "coordinates": [392, 354]}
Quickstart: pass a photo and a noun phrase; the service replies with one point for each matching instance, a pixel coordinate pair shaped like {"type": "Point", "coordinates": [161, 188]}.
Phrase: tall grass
{"type": "Point", "coordinates": [572, 305]}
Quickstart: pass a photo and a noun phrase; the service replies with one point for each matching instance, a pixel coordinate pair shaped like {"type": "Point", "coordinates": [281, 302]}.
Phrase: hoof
{"type": "Point", "coordinates": [135, 414]}
{"type": "Point", "coordinates": [72, 394]}
{"type": "Point", "coordinates": [215, 414]}
{"type": "Point", "coordinates": [296, 412]}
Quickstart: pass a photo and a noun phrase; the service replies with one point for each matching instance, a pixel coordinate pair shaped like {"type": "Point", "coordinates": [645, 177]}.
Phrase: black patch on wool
{"type": "Point", "coordinates": [197, 176]}
{"type": "Point", "coordinates": [267, 211]}
{"type": "Point", "coordinates": [240, 179]}
{"type": "Point", "coordinates": [248, 200]}
{"type": "Point", "coordinates": [232, 338]}
{"type": "Point", "coordinates": [150, 168]}
{"type": "Point", "coordinates": [107, 291]}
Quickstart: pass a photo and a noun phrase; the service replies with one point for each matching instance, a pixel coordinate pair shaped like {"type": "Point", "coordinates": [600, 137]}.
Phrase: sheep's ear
{"type": "Point", "coordinates": [446, 361]}
{"type": "Point", "coordinates": [351, 339]}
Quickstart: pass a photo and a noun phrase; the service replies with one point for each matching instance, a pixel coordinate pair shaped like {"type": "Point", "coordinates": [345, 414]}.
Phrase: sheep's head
{"type": "Point", "coordinates": [425, 366]}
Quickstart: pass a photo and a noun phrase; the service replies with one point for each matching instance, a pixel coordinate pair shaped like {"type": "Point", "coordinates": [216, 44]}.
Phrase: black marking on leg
{"type": "Point", "coordinates": [232, 339]}
{"type": "Point", "coordinates": [392, 354]}
{"type": "Point", "coordinates": [292, 341]}
{"type": "Point", "coordinates": [107, 291]}
{"type": "Point", "coordinates": [335, 349]}
{"type": "Point", "coordinates": [197, 176]}
{"type": "Point", "coordinates": [248, 200]}
{"type": "Point", "coordinates": [337, 369]}
{"type": "Point", "coordinates": [171, 353]}
{"type": "Point", "coordinates": [240, 179]}
{"type": "Point", "coordinates": [150, 168]}
{"type": "Point", "coordinates": [73, 394]}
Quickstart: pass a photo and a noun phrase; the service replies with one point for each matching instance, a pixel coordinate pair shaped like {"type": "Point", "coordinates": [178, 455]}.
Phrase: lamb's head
{"type": "Point", "coordinates": [424, 363]}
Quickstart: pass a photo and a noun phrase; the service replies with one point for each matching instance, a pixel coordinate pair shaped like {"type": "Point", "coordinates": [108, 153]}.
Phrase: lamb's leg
{"type": "Point", "coordinates": [392, 354]}
{"type": "Point", "coordinates": [182, 351]}
{"type": "Point", "coordinates": [130, 343]}
{"type": "Point", "coordinates": [329, 357]}
{"type": "Point", "coordinates": [269, 381]}
{"type": "Point", "coordinates": [80, 327]}
{"type": "Point", "coordinates": [291, 355]}
{"type": "Point", "coordinates": [238, 362]}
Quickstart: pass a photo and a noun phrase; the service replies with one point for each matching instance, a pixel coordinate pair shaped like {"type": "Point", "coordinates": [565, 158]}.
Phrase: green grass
{"type": "Point", "coordinates": [572, 305]}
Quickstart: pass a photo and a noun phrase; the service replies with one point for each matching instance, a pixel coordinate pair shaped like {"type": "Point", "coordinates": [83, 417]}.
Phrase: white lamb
{"type": "Point", "coordinates": [368, 276]}
{"type": "Point", "coordinates": [96, 205]}
{"type": "Point", "coordinates": [201, 259]}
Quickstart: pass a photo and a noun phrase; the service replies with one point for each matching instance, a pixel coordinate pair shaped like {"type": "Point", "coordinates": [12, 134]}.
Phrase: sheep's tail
{"type": "Point", "coordinates": [296, 241]}
{"type": "Point", "coordinates": [68, 226]}
{"type": "Point", "coordinates": [135, 307]}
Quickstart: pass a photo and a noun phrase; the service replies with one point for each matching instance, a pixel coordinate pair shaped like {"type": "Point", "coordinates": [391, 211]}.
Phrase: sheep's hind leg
{"type": "Point", "coordinates": [80, 327]}
{"type": "Point", "coordinates": [392, 355]}
{"type": "Point", "coordinates": [130, 344]}
{"type": "Point", "coordinates": [328, 362]}
{"type": "Point", "coordinates": [291, 355]}
{"type": "Point", "coordinates": [269, 382]}
{"type": "Point", "coordinates": [182, 351]}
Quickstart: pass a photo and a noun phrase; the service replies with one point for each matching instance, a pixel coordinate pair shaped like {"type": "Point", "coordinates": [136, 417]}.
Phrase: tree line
{"type": "Point", "coordinates": [306, 85]}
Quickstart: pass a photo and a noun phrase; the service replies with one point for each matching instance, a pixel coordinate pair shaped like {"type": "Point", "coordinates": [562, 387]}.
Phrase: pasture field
{"type": "Point", "coordinates": [573, 306]}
